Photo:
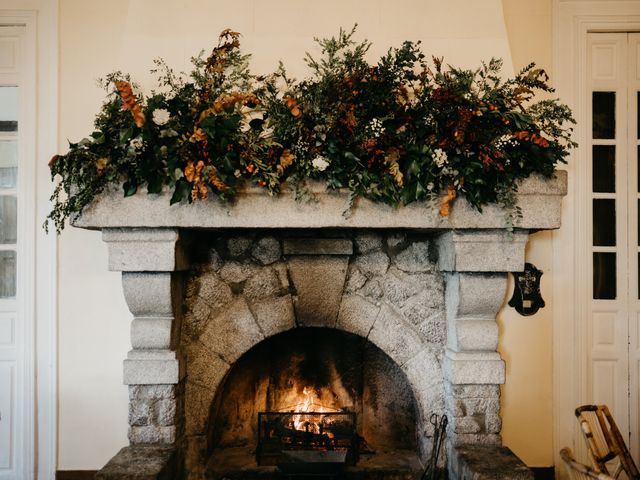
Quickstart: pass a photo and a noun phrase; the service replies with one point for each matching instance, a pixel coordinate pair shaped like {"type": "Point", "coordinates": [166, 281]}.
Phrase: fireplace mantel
{"type": "Point", "coordinates": [458, 264]}
{"type": "Point", "coordinates": [539, 199]}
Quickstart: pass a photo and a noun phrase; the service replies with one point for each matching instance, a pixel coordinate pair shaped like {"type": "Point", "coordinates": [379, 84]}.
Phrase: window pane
{"type": "Point", "coordinates": [604, 222]}
{"type": "Point", "coordinates": [604, 114]}
{"type": "Point", "coordinates": [604, 168]}
{"type": "Point", "coordinates": [604, 275]}
{"type": "Point", "coordinates": [8, 109]}
{"type": "Point", "coordinates": [8, 219]}
{"type": "Point", "coordinates": [8, 163]}
{"type": "Point", "coordinates": [7, 274]}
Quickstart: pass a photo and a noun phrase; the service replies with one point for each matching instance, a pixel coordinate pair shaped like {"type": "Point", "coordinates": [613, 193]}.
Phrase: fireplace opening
{"type": "Point", "coordinates": [313, 390]}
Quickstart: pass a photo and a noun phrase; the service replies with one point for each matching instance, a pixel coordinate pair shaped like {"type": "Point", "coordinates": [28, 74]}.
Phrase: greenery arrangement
{"type": "Point", "coordinates": [399, 131]}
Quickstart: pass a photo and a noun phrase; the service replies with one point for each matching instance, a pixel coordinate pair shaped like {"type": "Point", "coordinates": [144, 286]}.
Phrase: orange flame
{"type": "Point", "coordinates": [308, 404]}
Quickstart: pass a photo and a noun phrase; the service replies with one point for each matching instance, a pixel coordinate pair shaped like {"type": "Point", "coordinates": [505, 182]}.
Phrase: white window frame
{"type": "Point", "coordinates": [572, 20]}
{"type": "Point", "coordinates": [40, 17]}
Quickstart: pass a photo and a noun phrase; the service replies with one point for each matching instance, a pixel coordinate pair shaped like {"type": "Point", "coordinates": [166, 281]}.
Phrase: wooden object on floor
{"type": "Point", "coordinates": [578, 471]}
{"type": "Point", "coordinates": [604, 442]}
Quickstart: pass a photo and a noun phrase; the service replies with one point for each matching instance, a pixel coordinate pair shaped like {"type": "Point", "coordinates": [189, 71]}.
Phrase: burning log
{"type": "Point", "coordinates": [279, 433]}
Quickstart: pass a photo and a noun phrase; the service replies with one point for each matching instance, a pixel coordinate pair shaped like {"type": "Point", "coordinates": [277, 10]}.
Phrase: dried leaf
{"type": "Point", "coordinates": [216, 182]}
{"type": "Point", "coordinates": [445, 205]}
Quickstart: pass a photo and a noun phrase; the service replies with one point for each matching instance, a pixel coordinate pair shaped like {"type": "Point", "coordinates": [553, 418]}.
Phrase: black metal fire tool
{"type": "Point", "coordinates": [439, 430]}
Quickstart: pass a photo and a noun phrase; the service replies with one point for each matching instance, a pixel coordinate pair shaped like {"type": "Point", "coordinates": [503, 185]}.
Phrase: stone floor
{"type": "Point", "coordinates": [240, 464]}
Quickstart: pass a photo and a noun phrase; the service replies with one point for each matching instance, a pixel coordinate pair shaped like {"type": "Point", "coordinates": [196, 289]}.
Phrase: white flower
{"type": "Point", "coordinates": [137, 143]}
{"type": "Point", "coordinates": [248, 115]}
{"type": "Point", "coordinates": [440, 157]}
{"type": "Point", "coordinates": [376, 128]}
{"type": "Point", "coordinates": [161, 116]}
{"type": "Point", "coordinates": [320, 163]}
{"type": "Point", "coordinates": [506, 141]}
{"type": "Point", "coordinates": [321, 134]}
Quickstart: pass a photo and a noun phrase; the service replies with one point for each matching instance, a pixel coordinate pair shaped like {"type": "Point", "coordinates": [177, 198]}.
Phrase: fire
{"type": "Point", "coordinates": [309, 423]}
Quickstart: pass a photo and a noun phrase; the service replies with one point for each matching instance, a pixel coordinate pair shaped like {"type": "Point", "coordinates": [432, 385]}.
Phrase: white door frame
{"type": "Point", "coordinates": [40, 18]}
{"type": "Point", "coordinates": [572, 20]}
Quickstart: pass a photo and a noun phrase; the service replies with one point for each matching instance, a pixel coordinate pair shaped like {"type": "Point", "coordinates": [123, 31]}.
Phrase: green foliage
{"type": "Point", "coordinates": [397, 131]}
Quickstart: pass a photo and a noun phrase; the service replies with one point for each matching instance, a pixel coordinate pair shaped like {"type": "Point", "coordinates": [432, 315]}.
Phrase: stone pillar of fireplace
{"type": "Point", "coordinates": [476, 266]}
{"type": "Point", "coordinates": [151, 261]}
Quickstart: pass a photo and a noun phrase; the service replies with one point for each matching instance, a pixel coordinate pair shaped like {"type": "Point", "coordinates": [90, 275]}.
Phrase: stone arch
{"type": "Point", "coordinates": [210, 358]}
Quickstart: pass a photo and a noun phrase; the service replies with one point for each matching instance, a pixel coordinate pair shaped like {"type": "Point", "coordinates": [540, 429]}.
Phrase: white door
{"type": "Point", "coordinates": [15, 388]}
{"type": "Point", "coordinates": [613, 74]}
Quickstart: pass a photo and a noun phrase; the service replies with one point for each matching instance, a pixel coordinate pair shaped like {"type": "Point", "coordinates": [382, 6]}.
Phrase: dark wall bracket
{"type": "Point", "coordinates": [527, 299]}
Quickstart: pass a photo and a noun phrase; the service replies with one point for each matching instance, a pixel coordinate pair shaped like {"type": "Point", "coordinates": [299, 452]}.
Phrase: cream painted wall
{"type": "Point", "coordinates": [97, 37]}
{"type": "Point", "coordinates": [526, 342]}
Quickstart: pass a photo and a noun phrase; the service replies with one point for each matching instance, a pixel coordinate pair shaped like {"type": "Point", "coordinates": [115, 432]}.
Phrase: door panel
{"type": "Point", "coordinates": [7, 394]}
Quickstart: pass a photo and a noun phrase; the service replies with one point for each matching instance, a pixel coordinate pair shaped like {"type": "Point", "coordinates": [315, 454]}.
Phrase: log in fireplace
{"type": "Point", "coordinates": [307, 437]}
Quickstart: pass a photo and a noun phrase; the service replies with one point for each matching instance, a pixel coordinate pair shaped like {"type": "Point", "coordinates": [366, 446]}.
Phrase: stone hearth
{"type": "Point", "coordinates": [389, 313]}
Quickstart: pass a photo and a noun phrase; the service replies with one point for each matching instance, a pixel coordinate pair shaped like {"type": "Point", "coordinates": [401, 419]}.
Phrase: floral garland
{"type": "Point", "coordinates": [398, 131]}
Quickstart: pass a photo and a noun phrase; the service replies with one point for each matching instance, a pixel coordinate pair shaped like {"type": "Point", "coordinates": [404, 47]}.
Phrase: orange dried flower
{"type": "Point", "coordinates": [202, 188]}
{"type": "Point", "coordinates": [286, 159]}
{"type": "Point", "coordinates": [262, 183]}
{"type": "Point", "coordinates": [129, 102]}
{"type": "Point", "coordinates": [250, 168]}
{"type": "Point", "coordinates": [445, 205]}
{"type": "Point", "coordinates": [190, 172]}
{"type": "Point", "coordinates": [540, 141]}
{"type": "Point", "coordinates": [198, 136]}
{"type": "Point", "coordinates": [216, 182]}
{"type": "Point", "coordinates": [292, 105]}
{"type": "Point", "coordinates": [532, 137]}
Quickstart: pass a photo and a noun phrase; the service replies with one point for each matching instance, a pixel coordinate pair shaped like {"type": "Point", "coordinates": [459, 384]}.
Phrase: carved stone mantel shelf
{"type": "Point", "coordinates": [538, 198]}
{"type": "Point", "coordinates": [474, 253]}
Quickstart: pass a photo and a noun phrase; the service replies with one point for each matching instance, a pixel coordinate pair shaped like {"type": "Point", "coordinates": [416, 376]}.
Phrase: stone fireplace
{"type": "Point", "coordinates": [268, 305]}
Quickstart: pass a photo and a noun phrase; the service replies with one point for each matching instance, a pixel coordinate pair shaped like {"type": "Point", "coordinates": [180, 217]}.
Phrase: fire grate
{"type": "Point", "coordinates": [311, 438]}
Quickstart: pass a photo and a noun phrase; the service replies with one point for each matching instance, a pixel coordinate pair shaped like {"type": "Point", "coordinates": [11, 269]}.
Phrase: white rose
{"type": "Point", "coordinates": [161, 116]}
{"type": "Point", "coordinates": [320, 163]}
